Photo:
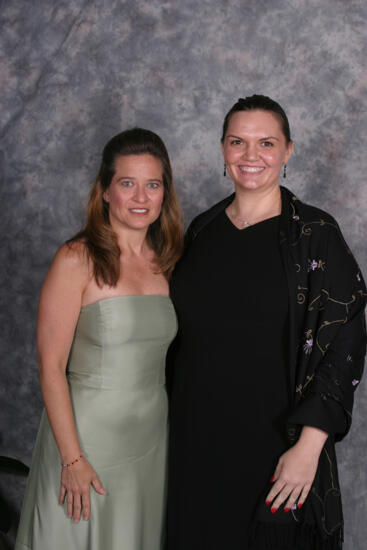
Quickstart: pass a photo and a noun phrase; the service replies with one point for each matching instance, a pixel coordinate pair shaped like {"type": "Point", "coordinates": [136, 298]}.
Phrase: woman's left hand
{"type": "Point", "coordinates": [296, 470]}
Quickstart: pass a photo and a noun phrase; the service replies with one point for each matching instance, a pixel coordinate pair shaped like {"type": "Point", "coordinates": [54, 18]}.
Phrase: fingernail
{"type": "Point", "coordinates": [286, 510]}
{"type": "Point", "coordinates": [273, 510]}
{"type": "Point", "coordinates": [271, 479]}
{"type": "Point", "coordinates": [300, 505]}
{"type": "Point", "coordinates": [268, 502]}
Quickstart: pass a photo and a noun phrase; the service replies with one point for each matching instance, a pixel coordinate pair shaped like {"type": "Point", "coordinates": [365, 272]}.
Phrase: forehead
{"type": "Point", "coordinates": [264, 123]}
{"type": "Point", "coordinates": [144, 163]}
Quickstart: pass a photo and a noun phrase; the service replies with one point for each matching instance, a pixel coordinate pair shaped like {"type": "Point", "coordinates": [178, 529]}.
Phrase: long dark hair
{"type": "Point", "coordinates": [165, 235]}
{"type": "Point", "coordinates": [259, 103]}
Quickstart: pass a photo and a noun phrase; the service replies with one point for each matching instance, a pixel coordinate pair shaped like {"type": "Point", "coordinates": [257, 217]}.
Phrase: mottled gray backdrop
{"type": "Point", "coordinates": [74, 73]}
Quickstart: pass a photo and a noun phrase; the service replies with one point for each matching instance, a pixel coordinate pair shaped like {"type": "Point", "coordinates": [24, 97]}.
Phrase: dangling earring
{"type": "Point", "coordinates": [225, 170]}
{"type": "Point", "coordinates": [285, 171]}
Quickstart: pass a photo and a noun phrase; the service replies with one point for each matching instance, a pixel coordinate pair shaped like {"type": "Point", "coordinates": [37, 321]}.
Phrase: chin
{"type": "Point", "coordinates": [142, 224]}
{"type": "Point", "coordinates": [248, 185]}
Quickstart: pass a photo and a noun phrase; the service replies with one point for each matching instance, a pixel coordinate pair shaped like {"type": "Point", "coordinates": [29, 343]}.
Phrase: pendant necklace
{"type": "Point", "coordinates": [244, 223]}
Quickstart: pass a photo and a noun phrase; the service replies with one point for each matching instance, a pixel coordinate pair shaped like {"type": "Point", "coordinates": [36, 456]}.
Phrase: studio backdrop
{"type": "Point", "coordinates": [75, 72]}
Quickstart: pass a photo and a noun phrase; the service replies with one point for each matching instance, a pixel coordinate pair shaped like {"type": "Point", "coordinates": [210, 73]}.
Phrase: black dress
{"type": "Point", "coordinates": [229, 392]}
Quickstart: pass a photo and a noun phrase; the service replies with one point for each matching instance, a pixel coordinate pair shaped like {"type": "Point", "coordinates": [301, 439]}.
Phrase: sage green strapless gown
{"type": "Point", "coordinates": [116, 375]}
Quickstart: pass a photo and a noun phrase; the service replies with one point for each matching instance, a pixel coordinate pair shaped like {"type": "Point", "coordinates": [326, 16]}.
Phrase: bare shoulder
{"type": "Point", "coordinates": [73, 254]}
{"type": "Point", "coordinates": [73, 258]}
{"type": "Point", "coordinates": [70, 268]}
{"type": "Point", "coordinates": [60, 300]}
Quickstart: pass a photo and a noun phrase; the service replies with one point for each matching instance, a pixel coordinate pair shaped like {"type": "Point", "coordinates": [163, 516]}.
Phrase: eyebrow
{"type": "Point", "coordinates": [261, 139]}
{"type": "Point", "coordinates": [132, 178]}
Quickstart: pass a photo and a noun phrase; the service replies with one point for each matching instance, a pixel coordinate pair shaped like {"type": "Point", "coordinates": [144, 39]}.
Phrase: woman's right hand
{"type": "Point", "coordinates": [75, 485]}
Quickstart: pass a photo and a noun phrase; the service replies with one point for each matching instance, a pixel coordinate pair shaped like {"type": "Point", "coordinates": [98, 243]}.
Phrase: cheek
{"type": "Point", "coordinates": [231, 154]}
{"type": "Point", "coordinates": [273, 158]}
{"type": "Point", "coordinates": [158, 200]}
{"type": "Point", "coordinates": [117, 200]}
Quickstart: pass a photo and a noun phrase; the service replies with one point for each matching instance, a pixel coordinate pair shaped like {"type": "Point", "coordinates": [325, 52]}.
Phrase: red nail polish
{"type": "Point", "coordinates": [273, 510]}
{"type": "Point", "coordinates": [286, 510]}
{"type": "Point", "coordinates": [299, 506]}
{"type": "Point", "coordinates": [271, 479]}
{"type": "Point", "coordinates": [268, 502]}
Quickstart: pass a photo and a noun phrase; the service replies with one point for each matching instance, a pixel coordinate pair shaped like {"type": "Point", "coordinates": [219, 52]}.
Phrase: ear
{"type": "Point", "coordinates": [289, 152]}
{"type": "Point", "coordinates": [106, 196]}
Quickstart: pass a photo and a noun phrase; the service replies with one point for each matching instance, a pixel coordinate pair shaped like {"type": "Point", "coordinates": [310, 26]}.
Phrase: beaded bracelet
{"type": "Point", "coordinates": [71, 463]}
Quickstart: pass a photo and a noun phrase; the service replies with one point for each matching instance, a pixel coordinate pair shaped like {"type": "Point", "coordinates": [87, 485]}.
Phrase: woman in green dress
{"type": "Point", "coordinates": [105, 322]}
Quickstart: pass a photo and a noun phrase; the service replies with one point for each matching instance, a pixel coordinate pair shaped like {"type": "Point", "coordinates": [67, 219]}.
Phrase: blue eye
{"type": "Point", "coordinates": [126, 183]}
{"type": "Point", "coordinates": [153, 185]}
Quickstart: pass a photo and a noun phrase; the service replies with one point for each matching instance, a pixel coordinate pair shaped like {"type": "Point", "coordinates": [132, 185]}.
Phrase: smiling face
{"type": "Point", "coordinates": [255, 149]}
{"type": "Point", "coordinates": [136, 192]}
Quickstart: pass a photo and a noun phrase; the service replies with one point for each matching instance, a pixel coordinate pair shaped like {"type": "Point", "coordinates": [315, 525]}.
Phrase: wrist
{"type": "Point", "coordinates": [312, 440]}
{"type": "Point", "coordinates": [70, 455]}
{"type": "Point", "coordinates": [72, 462]}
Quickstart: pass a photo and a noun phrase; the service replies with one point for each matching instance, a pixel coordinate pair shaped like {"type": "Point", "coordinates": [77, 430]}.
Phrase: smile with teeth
{"type": "Point", "coordinates": [139, 210]}
{"type": "Point", "coordinates": [251, 169]}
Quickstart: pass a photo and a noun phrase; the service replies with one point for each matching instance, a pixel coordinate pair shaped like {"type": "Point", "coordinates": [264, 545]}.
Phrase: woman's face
{"type": "Point", "coordinates": [135, 194]}
{"type": "Point", "coordinates": [255, 149]}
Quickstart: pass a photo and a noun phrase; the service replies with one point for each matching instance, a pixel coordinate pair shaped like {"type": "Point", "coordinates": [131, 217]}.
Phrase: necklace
{"type": "Point", "coordinates": [244, 223]}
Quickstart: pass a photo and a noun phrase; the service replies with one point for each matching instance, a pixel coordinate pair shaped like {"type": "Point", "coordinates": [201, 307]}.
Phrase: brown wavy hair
{"type": "Point", "coordinates": [165, 235]}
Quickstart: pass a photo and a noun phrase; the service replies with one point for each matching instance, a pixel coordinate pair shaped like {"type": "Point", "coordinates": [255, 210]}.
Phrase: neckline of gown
{"type": "Point", "coordinates": [124, 296]}
{"type": "Point", "coordinates": [252, 226]}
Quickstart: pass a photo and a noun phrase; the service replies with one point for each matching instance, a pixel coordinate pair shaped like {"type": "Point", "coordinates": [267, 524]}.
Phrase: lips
{"type": "Point", "coordinates": [251, 169]}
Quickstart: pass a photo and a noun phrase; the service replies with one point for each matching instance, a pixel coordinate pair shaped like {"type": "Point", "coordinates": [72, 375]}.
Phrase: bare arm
{"type": "Point", "coordinates": [58, 312]}
{"type": "Point", "coordinates": [59, 309]}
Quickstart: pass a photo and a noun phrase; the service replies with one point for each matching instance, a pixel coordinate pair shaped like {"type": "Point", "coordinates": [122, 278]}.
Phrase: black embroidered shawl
{"type": "Point", "coordinates": [327, 345]}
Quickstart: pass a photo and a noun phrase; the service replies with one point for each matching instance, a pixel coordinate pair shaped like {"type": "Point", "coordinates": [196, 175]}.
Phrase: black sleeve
{"type": "Point", "coordinates": [328, 402]}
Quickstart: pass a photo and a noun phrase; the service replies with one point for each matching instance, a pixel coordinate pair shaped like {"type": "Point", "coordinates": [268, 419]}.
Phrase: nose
{"type": "Point", "coordinates": [140, 194]}
{"type": "Point", "coordinates": [250, 152]}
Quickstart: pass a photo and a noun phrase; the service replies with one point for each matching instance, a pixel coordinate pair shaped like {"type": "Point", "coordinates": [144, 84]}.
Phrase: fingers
{"type": "Point", "coordinates": [86, 505]}
{"type": "Point", "coordinates": [278, 494]}
{"type": "Point", "coordinates": [97, 486]}
{"type": "Point", "coordinates": [77, 507]}
{"type": "Point", "coordinates": [69, 504]}
{"type": "Point", "coordinates": [288, 497]}
{"type": "Point", "coordinates": [75, 503]}
{"type": "Point", "coordinates": [277, 472]}
{"type": "Point", "coordinates": [62, 494]}
{"type": "Point", "coordinates": [304, 495]}
{"type": "Point", "coordinates": [292, 499]}
{"type": "Point", "coordinates": [275, 490]}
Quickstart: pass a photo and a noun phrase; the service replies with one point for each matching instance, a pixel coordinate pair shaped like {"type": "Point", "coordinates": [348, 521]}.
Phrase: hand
{"type": "Point", "coordinates": [75, 484]}
{"type": "Point", "coordinates": [293, 477]}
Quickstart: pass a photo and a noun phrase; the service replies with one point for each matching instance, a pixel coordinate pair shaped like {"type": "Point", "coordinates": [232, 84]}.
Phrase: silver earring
{"type": "Point", "coordinates": [285, 171]}
{"type": "Point", "coordinates": [225, 170]}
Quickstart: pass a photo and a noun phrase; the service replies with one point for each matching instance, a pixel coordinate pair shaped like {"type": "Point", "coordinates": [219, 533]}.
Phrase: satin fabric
{"type": "Point", "coordinates": [116, 376]}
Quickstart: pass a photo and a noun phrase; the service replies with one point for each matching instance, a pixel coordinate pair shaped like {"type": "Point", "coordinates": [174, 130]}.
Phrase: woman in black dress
{"type": "Point", "coordinates": [270, 349]}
